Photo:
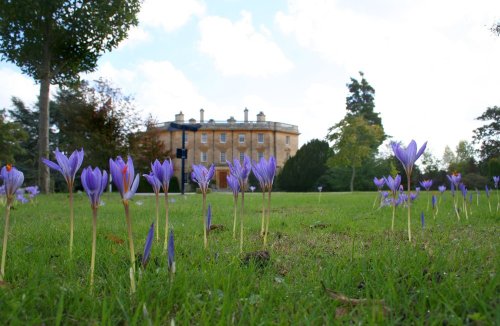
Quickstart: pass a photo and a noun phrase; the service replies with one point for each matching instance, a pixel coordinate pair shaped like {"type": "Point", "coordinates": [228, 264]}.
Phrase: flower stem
{"type": "Point", "coordinates": [71, 220]}
{"type": "Point", "coordinates": [5, 236]}
{"type": "Point", "coordinates": [157, 217]}
{"type": "Point", "coordinates": [393, 213]}
{"type": "Point", "coordinates": [165, 242]}
{"type": "Point", "coordinates": [241, 219]}
{"type": "Point", "coordinates": [130, 238]}
{"type": "Point", "coordinates": [205, 240]}
{"type": "Point", "coordinates": [409, 209]}
{"type": "Point", "coordinates": [268, 217]}
{"type": "Point", "coordinates": [234, 219]}
{"type": "Point", "coordinates": [94, 235]}
{"type": "Point", "coordinates": [262, 231]}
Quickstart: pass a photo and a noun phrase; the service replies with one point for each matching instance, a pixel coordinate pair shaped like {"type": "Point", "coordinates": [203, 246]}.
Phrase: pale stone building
{"type": "Point", "coordinates": [216, 141]}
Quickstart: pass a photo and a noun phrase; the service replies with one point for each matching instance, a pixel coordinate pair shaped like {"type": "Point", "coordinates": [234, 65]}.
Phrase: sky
{"type": "Point", "coordinates": [434, 64]}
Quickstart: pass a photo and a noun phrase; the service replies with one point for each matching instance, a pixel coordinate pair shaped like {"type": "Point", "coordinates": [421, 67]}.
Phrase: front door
{"type": "Point", "coordinates": [222, 179]}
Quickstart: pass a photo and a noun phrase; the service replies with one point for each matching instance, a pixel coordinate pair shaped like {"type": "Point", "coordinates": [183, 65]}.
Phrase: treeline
{"type": "Point", "coordinates": [94, 116]}
{"type": "Point", "coordinates": [349, 158]}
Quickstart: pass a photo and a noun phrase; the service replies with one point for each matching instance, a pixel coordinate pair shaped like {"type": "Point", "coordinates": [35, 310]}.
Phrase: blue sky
{"type": "Point", "coordinates": [434, 64]}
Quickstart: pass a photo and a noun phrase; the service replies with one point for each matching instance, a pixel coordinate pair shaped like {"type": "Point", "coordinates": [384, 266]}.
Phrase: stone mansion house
{"type": "Point", "coordinates": [216, 141]}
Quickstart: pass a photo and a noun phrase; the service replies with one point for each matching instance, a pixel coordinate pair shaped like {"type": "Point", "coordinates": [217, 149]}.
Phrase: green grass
{"type": "Point", "coordinates": [448, 274]}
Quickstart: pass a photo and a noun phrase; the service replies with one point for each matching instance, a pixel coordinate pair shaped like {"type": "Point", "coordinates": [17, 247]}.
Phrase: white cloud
{"type": "Point", "coordinates": [158, 88]}
{"type": "Point", "coordinates": [136, 36]}
{"type": "Point", "coordinates": [169, 14]}
{"type": "Point", "coordinates": [430, 62]}
{"type": "Point", "coordinates": [238, 49]}
{"type": "Point", "coordinates": [18, 85]}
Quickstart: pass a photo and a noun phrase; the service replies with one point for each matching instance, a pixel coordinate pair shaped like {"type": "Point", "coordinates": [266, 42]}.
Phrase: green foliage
{"type": "Point", "coordinates": [488, 135]}
{"type": "Point", "coordinates": [354, 140]}
{"type": "Point", "coordinates": [98, 118]}
{"type": "Point", "coordinates": [11, 136]}
{"type": "Point", "coordinates": [301, 172]}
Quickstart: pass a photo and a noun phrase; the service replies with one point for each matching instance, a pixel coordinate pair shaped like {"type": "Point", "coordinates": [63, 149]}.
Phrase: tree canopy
{"type": "Point", "coordinates": [488, 135]}
{"type": "Point", "coordinates": [54, 40]}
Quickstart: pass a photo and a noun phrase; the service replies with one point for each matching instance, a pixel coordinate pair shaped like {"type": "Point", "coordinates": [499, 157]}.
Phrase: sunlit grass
{"type": "Point", "coordinates": [448, 273]}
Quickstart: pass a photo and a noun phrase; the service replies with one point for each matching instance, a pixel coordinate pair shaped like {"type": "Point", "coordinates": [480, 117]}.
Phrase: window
{"type": "Point", "coordinates": [261, 155]}
{"type": "Point", "coordinates": [204, 138]}
{"type": "Point", "coordinates": [260, 138]}
{"type": "Point", "coordinates": [242, 156]}
{"type": "Point", "coordinates": [223, 157]}
{"type": "Point", "coordinates": [223, 138]}
{"type": "Point", "coordinates": [287, 140]}
{"type": "Point", "coordinates": [241, 138]}
{"type": "Point", "coordinates": [203, 157]}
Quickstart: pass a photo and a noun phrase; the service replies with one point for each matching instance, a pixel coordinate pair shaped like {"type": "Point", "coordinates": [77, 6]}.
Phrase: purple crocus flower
{"type": "Point", "coordinates": [422, 219]}
{"type": "Point", "coordinates": [379, 183]}
{"type": "Point", "coordinates": [148, 245]}
{"type": "Point", "coordinates": [171, 252]}
{"type": "Point", "coordinates": [32, 191]}
{"type": "Point", "coordinates": [241, 171]}
{"type": "Point", "coordinates": [164, 172]}
{"type": "Point", "coordinates": [153, 181]}
{"type": "Point", "coordinates": [385, 194]}
{"type": "Point", "coordinates": [252, 188]}
{"type": "Point", "coordinates": [20, 196]}
{"type": "Point", "coordinates": [487, 190]}
{"type": "Point", "coordinates": [393, 183]}
{"type": "Point", "coordinates": [408, 156]}
{"type": "Point", "coordinates": [496, 179]}
{"type": "Point", "coordinates": [67, 166]}
{"type": "Point", "coordinates": [265, 171]}
{"type": "Point", "coordinates": [209, 217]}
{"type": "Point", "coordinates": [417, 189]}
{"type": "Point", "coordinates": [94, 183]}
{"type": "Point", "coordinates": [413, 196]}
{"type": "Point", "coordinates": [12, 180]}
{"type": "Point", "coordinates": [233, 184]}
{"type": "Point", "coordinates": [427, 184]}
{"type": "Point", "coordinates": [123, 177]}
{"type": "Point", "coordinates": [442, 189]}
{"type": "Point", "coordinates": [470, 197]}
{"type": "Point", "coordinates": [434, 201]}
{"type": "Point", "coordinates": [202, 176]}
{"type": "Point", "coordinates": [463, 189]}
{"type": "Point", "coordinates": [455, 179]}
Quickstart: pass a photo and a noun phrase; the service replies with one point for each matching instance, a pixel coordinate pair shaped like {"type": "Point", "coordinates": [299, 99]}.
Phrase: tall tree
{"type": "Point", "coordinates": [54, 40]}
{"type": "Point", "coordinates": [488, 135]}
{"type": "Point", "coordinates": [301, 172]}
{"type": "Point", "coordinates": [361, 103]}
{"type": "Point", "coordinates": [354, 140]}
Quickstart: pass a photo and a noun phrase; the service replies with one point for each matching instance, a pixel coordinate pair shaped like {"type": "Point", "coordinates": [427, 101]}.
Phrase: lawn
{"type": "Point", "coordinates": [332, 259]}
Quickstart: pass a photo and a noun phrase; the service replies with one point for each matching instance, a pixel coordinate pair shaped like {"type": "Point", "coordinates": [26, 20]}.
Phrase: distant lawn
{"type": "Point", "coordinates": [447, 275]}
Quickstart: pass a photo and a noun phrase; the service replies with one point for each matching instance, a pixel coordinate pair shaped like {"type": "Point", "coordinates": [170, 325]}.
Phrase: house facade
{"type": "Point", "coordinates": [218, 141]}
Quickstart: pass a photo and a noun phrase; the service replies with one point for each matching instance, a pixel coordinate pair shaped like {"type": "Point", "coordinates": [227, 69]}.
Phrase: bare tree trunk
{"type": "Point", "coordinates": [43, 134]}
{"type": "Point", "coordinates": [43, 123]}
{"type": "Point", "coordinates": [352, 178]}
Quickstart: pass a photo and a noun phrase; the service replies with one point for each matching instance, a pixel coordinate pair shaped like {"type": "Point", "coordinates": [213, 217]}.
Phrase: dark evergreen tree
{"type": "Point", "coordinates": [301, 172]}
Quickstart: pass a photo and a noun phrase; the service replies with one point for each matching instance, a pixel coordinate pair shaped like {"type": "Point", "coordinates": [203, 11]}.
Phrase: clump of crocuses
{"type": "Point", "coordinates": [241, 172]}
{"type": "Point", "coordinates": [264, 171]}
{"type": "Point", "coordinates": [68, 168]}
{"type": "Point", "coordinates": [164, 172]}
{"type": "Point", "coordinates": [393, 185]}
{"type": "Point", "coordinates": [126, 182]}
{"type": "Point", "coordinates": [94, 183]}
{"type": "Point", "coordinates": [12, 180]}
{"type": "Point", "coordinates": [408, 156]}
{"type": "Point", "coordinates": [202, 176]}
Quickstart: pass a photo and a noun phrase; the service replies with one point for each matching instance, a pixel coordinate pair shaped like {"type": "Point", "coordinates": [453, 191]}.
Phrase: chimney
{"type": "Point", "coordinates": [202, 115]}
{"type": "Point", "coordinates": [246, 115]}
{"type": "Point", "coordinates": [261, 117]}
{"type": "Point", "coordinates": [231, 120]}
{"type": "Point", "coordinates": [179, 118]}
{"type": "Point", "coordinates": [192, 120]}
